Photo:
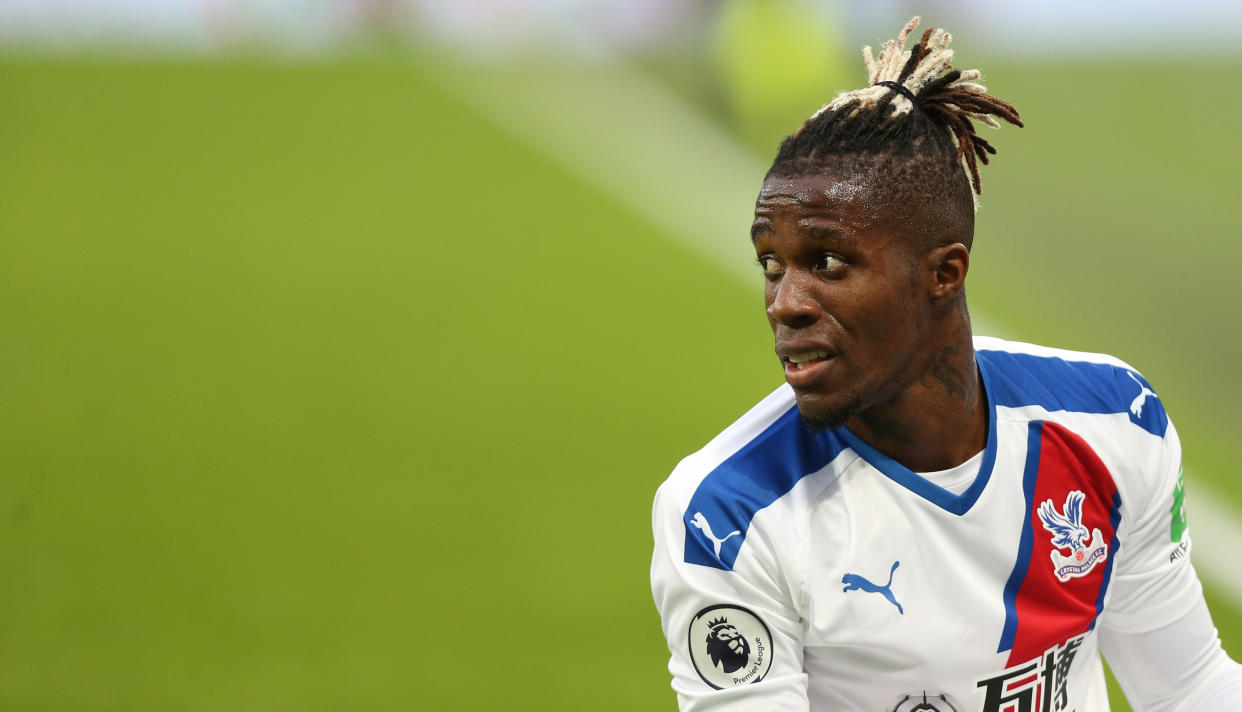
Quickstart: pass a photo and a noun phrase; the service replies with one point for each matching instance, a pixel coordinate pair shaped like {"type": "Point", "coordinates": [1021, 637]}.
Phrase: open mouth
{"type": "Point", "coordinates": [798, 362]}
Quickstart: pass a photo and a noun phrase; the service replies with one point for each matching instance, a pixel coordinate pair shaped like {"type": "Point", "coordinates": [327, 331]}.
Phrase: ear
{"type": "Point", "coordinates": [948, 266]}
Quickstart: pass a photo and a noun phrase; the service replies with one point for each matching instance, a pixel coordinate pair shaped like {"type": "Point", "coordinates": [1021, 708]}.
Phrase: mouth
{"type": "Point", "coordinates": [806, 359]}
{"type": "Point", "coordinates": [803, 367]}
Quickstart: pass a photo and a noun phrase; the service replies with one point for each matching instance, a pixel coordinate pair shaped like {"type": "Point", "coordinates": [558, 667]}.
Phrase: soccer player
{"type": "Point", "coordinates": [920, 519]}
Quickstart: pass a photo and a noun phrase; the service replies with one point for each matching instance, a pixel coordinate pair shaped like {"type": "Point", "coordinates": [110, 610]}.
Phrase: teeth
{"type": "Point", "coordinates": [808, 356]}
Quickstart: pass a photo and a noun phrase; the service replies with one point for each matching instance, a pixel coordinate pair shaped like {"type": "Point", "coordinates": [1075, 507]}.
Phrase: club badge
{"type": "Point", "coordinates": [1086, 548]}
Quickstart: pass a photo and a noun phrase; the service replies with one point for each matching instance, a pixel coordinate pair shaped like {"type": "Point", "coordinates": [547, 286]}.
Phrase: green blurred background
{"type": "Point", "coordinates": [342, 378]}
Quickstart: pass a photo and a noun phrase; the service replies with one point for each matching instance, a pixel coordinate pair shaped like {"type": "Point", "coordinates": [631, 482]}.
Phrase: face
{"type": "Point", "coordinates": [845, 296]}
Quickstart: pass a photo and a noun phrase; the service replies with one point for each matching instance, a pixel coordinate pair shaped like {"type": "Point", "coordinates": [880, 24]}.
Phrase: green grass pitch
{"type": "Point", "coordinates": [323, 393]}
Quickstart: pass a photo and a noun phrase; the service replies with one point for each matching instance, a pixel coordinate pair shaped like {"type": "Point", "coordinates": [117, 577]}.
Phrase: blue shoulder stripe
{"type": "Point", "coordinates": [1019, 379]}
{"type": "Point", "coordinates": [758, 474]}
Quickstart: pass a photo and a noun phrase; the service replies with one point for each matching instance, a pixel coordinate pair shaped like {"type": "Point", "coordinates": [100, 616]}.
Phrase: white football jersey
{"type": "Point", "coordinates": [798, 569]}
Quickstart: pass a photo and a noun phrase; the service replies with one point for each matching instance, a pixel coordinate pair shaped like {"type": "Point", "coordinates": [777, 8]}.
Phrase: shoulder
{"type": "Point", "coordinates": [1020, 374]}
{"type": "Point", "coordinates": [760, 423]}
{"type": "Point", "coordinates": [716, 492]}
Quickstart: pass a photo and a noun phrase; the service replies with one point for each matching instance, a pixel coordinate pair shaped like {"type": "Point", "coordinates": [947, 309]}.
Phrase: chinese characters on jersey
{"type": "Point", "coordinates": [1038, 685]}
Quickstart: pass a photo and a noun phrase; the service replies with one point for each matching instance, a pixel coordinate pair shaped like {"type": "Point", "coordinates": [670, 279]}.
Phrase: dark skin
{"type": "Point", "coordinates": [870, 319]}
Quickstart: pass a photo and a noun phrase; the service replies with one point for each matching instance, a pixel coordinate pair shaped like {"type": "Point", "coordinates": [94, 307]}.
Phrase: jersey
{"type": "Point", "coordinates": [797, 569]}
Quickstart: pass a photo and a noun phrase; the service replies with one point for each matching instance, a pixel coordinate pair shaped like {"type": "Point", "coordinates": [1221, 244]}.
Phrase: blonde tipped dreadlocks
{"type": "Point", "coordinates": [917, 107]}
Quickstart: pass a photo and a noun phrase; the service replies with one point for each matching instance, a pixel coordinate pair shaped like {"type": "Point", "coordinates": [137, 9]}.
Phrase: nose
{"type": "Point", "coordinates": [792, 302]}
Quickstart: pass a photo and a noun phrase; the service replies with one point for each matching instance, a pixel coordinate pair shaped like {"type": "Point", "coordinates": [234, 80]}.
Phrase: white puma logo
{"type": "Point", "coordinates": [1136, 405]}
{"type": "Point", "coordinates": [700, 521]}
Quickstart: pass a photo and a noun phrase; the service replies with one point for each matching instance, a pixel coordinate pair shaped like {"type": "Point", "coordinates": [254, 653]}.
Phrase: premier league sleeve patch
{"type": "Point", "coordinates": [730, 646]}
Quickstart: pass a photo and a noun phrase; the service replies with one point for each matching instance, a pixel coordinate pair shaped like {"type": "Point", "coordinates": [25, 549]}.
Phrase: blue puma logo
{"type": "Point", "coordinates": [854, 582]}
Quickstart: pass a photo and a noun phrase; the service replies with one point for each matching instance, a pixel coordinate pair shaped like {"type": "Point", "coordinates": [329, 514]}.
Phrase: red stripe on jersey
{"type": "Point", "coordinates": [1049, 610]}
{"type": "Point", "coordinates": [1016, 684]}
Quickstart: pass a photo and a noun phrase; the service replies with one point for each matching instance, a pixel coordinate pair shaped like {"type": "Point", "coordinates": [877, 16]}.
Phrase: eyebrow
{"type": "Point", "coordinates": [828, 234]}
{"type": "Point", "coordinates": [761, 226]}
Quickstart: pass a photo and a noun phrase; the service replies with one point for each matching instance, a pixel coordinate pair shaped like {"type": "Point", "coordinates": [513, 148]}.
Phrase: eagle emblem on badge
{"type": "Point", "coordinates": [1086, 548]}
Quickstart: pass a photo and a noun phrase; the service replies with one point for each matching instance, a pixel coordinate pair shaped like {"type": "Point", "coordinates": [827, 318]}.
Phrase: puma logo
{"type": "Point", "coordinates": [1136, 405]}
{"type": "Point", "coordinates": [700, 521]}
{"type": "Point", "coordinates": [854, 582]}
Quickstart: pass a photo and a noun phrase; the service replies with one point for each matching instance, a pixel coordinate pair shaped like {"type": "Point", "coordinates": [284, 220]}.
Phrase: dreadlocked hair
{"type": "Point", "coordinates": [916, 116]}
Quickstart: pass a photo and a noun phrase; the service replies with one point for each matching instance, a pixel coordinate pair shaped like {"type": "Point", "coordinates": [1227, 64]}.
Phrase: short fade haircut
{"type": "Point", "coordinates": [912, 128]}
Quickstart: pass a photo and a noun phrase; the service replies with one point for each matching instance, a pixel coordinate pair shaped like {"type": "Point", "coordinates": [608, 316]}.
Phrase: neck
{"type": "Point", "coordinates": [940, 420]}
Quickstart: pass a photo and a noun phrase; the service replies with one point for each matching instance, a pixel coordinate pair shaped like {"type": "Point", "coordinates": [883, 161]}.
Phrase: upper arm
{"type": "Point", "coordinates": [734, 635]}
{"type": "Point", "coordinates": [1156, 632]}
{"type": "Point", "coordinates": [1153, 582]}
{"type": "Point", "coordinates": [1179, 666]}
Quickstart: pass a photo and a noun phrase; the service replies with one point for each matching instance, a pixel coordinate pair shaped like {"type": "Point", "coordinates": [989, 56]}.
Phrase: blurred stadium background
{"type": "Point", "coordinates": [346, 341]}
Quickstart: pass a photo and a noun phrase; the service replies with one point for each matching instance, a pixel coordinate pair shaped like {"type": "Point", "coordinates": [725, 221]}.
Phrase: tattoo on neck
{"type": "Point", "coordinates": [945, 369]}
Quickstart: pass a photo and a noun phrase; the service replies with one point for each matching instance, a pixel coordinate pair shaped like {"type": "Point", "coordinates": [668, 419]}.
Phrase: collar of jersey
{"type": "Point", "coordinates": [957, 504]}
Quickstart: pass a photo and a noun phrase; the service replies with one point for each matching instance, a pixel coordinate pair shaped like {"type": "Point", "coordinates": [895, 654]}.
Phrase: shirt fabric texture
{"type": "Point", "coordinates": [805, 570]}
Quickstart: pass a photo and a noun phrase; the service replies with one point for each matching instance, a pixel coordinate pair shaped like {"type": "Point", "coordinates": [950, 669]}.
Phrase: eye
{"type": "Point", "coordinates": [771, 267]}
{"type": "Point", "coordinates": [830, 263]}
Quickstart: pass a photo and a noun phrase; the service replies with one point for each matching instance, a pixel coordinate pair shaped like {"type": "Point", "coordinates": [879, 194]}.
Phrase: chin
{"type": "Point", "coordinates": [825, 413]}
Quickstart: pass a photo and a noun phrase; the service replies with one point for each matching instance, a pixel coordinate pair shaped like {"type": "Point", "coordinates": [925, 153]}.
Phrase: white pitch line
{"type": "Point", "coordinates": [647, 148]}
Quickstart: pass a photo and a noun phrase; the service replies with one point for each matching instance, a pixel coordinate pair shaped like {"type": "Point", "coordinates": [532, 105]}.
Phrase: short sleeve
{"type": "Point", "coordinates": [1154, 583]}
{"type": "Point", "coordinates": [734, 637]}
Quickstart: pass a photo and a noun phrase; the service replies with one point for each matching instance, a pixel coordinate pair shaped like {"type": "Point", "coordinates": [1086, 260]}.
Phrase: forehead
{"type": "Point", "coordinates": [814, 189]}
{"type": "Point", "coordinates": [811, 203]}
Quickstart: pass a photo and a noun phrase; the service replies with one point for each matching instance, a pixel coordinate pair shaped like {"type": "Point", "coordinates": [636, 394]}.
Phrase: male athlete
{"type": "Point", "coordinates": [921, 519]}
